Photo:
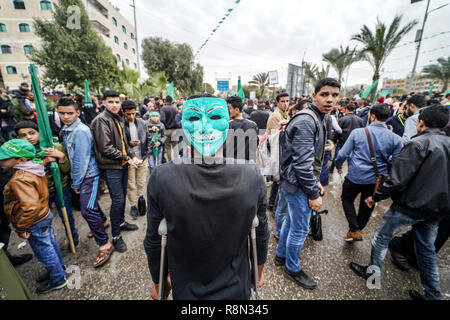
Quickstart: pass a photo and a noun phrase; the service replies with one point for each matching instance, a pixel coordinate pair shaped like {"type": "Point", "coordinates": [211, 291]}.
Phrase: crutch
{"type": "Point", "coordinates": [255, 223]}
{"type": "Point", "coordinates": [162, 231]}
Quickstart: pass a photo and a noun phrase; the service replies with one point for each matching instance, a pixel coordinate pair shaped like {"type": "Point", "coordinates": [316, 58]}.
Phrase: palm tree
{"type": "Point", "coordinates": [128, 82]}
{"type": "Point", "coordinates": [439, 71]}
{"type": "Point", "coordinates": [262, 81]}
{"type": "Point", "coordinates": [341, 59]}
{"type": "Point", "coordinates": [313, 72]}
{"type": "Point", "coordinates": [379, 44]}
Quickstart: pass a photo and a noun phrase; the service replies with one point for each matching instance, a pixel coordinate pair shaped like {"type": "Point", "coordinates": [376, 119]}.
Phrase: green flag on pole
{"type": "Point", "coordinates": [240, 91]}
{"type": "Point", "coordinates": [384, 93]}
{"type": "Point", "coordinates": [87, 94]}
{"type": "Point", "coordinates": [46, 141]}
{"type": "Point", "coordinates": [431, 88]}
{"type": "Point", "coordinates": [170, 91]}
{"type": "Point", "coordinates": [375, 99]}
{"type": "Point", "coordinates": [365, 94]}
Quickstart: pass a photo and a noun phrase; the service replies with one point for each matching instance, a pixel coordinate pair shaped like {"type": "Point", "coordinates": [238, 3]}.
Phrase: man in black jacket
{"type": "Point", "coordinates": [168, 114]}
{"type": "Point", "coordinates": [423, 164]}
{"type": "Point", "coordinates": [113, 154]}
{"type": "Point", "coordinates": [209, 212]}
{"type": "Point", "coordinates": [7, 121]}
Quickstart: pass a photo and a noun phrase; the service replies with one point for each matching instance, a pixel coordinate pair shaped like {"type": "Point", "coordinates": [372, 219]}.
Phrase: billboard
{"type": "Point", "coordinates": [273, 77]}
{"type": "Point", "coordinates": [223, 85]}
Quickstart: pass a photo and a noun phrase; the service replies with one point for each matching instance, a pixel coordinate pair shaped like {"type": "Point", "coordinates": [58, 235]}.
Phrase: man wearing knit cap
{"type": "Point", "coordinates": [414, 104]}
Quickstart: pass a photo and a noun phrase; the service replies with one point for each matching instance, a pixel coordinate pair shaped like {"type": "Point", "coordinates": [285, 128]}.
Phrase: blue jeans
{"type": "Point", "coordinates": [43, 243]}
{"type": "Point", "coordinates": [151, 160]}
{"type": "Point", "coordinates": [425, 234]}
{"type": "Point", "coordinates": [280, 213]}
{"type": "Point", "coordinates": [295, 229]}
{"type": "Point", "coordinates": [68, 202]}
{"type": "Point", "coordinates": [117, 181]}
{"type": "Point", "coordinates": [333, 162]}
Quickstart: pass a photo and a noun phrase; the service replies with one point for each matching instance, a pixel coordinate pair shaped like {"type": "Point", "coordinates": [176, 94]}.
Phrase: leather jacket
{"type": "Point", "coordinates": [419, 182]}
{"type": "Point", "coordinates": [26, 200]}
{"type": "Point", "coordinates": [108, 141]}
{"type": "Point", "coordinates": [348, 123]}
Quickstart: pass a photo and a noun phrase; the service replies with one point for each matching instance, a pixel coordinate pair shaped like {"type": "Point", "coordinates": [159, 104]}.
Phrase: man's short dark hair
{"type": "Point", "coordinates": [381, 111]}
{"type": "Point", "coordinates": [110, 94]}
{"type": "Point", "coordinates": [418, 100]}
{"type": "Point", "coordinates": [168, 99]}
{"type": "Point", "coordinates": [128, 105]}
{"type": "Point", "coordinates": [281, 95]}
{"type": "Point", "coordinates": [236, 102]}
{"type": "Point", "coordinates": [351, 107]}
{"type": "Point", "coordinates": [301, 105]}
{"type": "Point", "coordinates": [435, 116]}
{"type": "Point", "coordinates": [25, 124]}
{"type": "Point", "coordinates": [202, 95]}
{"type": "Point", "coordinates": [250, 102]}
{"type": "Point", "coordinates": [66, 102]}
{"type": "Point", "coordinates": [24, 84]}
{"type": "Point", "coordinates": [327, 82]}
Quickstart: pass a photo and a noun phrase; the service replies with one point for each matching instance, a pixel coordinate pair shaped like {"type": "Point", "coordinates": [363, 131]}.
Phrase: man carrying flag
{"type": "Point", "coordinates": [155, 140]}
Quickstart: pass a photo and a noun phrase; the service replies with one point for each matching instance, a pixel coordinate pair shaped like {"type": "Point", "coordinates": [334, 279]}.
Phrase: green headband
{"type": "Point", "coordinates": [12, 150]}
{"type": "Point", "coordinates": [154, 114]}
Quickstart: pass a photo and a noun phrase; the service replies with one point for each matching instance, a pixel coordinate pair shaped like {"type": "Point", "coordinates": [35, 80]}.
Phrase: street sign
{"type": "Point", "coordinates": [223, 85]}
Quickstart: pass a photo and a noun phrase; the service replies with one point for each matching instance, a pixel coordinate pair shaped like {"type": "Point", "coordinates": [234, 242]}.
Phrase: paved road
{"type": "Point", "coordinates": [126, 275]}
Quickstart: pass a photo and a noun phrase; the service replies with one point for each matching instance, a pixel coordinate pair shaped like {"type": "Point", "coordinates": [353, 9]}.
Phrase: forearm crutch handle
{"type": "Point", "coordinates": [162, 231]}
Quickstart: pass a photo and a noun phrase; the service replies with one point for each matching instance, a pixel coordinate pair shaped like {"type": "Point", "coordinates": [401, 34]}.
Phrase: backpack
{"type": "Point", "coordinates": [269, 154]}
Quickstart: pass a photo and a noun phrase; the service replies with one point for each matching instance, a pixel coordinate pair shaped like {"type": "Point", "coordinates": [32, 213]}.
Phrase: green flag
{"type": "Point", "coordinates": [170, 91]}
{"type": "Point", "coordinates": [384, 93]}
{"type": "Point", "coordinates": [240, 91]}
{"type": "Point", "coordinates": [87, 94]}
{"type": "Point", "coordinates": [365, 94]}
{"type": "Point", "coordinates": [431, 88]}
{"type": "Point", "coordinates": [375, 99]}
{"type": "Point", "coordinates": [155, 140]}
{"type": "Point", "coordinates": [46, 141]}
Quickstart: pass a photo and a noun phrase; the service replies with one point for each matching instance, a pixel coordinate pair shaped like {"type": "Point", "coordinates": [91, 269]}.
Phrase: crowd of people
{"type": "Point", "coordinates": [192, 162]}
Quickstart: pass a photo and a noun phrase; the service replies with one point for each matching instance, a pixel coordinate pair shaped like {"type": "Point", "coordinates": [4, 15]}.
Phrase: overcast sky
{"type": "Point", "coordinates": [262, 35]}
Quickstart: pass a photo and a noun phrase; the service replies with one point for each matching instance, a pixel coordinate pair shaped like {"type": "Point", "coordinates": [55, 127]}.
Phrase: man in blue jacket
{"type": "Point", "coordinates": [78, 142]}
{"type": "Point", "coordinates": [301, 162]}
{"type": "Point", "coordinates": [361, 173]}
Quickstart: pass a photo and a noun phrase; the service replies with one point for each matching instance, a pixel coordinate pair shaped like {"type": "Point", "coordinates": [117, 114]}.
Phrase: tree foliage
{"type": "Point", "coordinates": [261, 80]}
{"type": "Point", "coordinates": [71, 54]}
{"type": "Point", "coordinates": [176, 61]}
{"type": "Point", "coordinates": [440, 71]}
{"type": "Point", "coordinates": [378, 44]}
{"type": "Point", "coordinates": [341, 59]}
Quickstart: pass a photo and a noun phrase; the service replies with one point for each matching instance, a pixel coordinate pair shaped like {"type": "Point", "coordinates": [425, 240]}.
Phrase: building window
{"type": "Point", "coordinates": [3, 27]}
{"type": "Point", "coordinates": [118, 57]}
{"type": "Point", "coordinates": [46, 5]}
{"type": "Point", "coordinates": [19, 4]}
{"type": "Point", "coordinates": [114, 21]}
{"type": "Point", "coordinates": [116, 40]}
{"type": "Point", "coordinates": [6, 49]}
{"type": "Point", "coordinates": [133, 50]}
{"type": "Point", "coordinates": [124, 29]}
{"type": "Point", "coordinates": [11, 70]}
{"type": "Point", "coordinates": [24, 27]}
{"type": "Point", "coordinates": [132, 35]}
{"type": "Point", "coordinates": [125, 45]}
{"type": "Point", "coordinates": [28, 49]}
{"type": "Point", "coordinates": [135, 65]}
{"type": "Point", "coordinates": [127, 62]}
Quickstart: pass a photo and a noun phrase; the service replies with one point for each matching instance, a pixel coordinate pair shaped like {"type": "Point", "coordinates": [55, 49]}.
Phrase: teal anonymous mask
{"type": "Point", "coordinates": [205, 123]}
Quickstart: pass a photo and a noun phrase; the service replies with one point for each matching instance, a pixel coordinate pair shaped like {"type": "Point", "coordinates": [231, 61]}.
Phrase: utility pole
{"type": "Point", "coordinates": [136, 37]}
{"type": "Point", "coordinates": [411, 83]}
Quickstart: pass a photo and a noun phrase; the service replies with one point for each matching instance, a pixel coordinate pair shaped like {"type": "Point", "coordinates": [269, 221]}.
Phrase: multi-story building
{"type": "Point", "coordinates": [17, 37]}
{"type": "Point", "coordinates": [420, 84]}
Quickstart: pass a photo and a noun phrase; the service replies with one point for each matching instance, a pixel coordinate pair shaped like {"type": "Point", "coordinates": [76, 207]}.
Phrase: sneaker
{"type": "Point", "coordinates": [278, 261]}
{"type": "Point", "coordinates": [353, 236]}
{"type": "Point", "coordinates": [300, 278]}
{"type": "Point", "coordinates": [134, 213]}
{"type": "Point", "coordinates": [119, 244]}
{"type": "Point", "coordinates": [128, 227]}
{"type": "Point", "coordinates": [45, 277]}
{"type": "Point", "coordinates": [51, 286]}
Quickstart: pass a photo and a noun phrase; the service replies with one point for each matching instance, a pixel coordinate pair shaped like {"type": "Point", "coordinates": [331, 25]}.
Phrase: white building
{"type": "Point", "coordinates": [17, 36]}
